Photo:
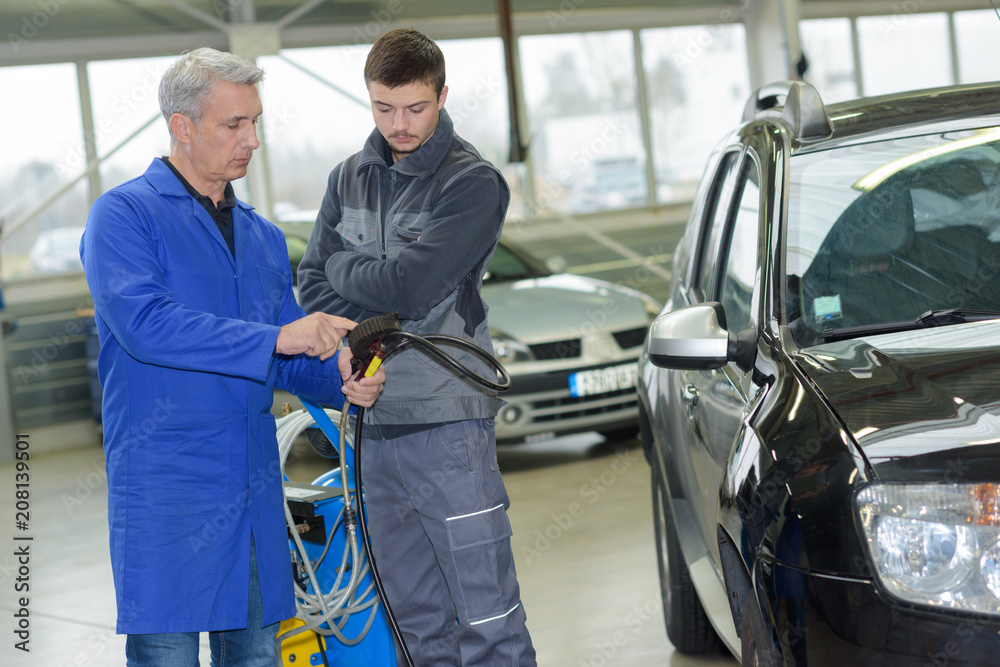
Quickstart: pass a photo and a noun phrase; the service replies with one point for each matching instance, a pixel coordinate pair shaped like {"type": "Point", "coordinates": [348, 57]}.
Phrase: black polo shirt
{"type": "Point", "coordinates": [222, 214]}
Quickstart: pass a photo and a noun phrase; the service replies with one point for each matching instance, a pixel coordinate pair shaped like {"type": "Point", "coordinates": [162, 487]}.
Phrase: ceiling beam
{"type": "Point", "coordinates": [816, 9]}
{"type": "Point", "coordinates": [41, 52]}
{"type": "Point", "coordinates": [298, 13]}
{"type": "Point", "coordinates": [197, 14]}
{"type": "Point", "coordinates": [575, 19]}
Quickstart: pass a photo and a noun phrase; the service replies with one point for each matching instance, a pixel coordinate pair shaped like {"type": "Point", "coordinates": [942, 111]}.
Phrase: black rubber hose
{"type": "Point", "coordinates": [322, 649]}
{"type": "Point", "coordinates": [426, 343]}
{"type": "Point", "coordinates": [366, 540]}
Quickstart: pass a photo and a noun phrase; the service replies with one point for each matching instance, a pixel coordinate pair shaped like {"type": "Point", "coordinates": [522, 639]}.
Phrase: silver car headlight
{"type": "Point", "coordinates": [508, 350]}
{"type": "Point", "coordinates": [935, 544]}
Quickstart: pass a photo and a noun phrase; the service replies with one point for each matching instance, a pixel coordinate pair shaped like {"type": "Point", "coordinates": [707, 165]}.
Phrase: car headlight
{"type": "Point", "coordinates": [935, 544]}
{"type": "Point", "coordinates": [508, 350]}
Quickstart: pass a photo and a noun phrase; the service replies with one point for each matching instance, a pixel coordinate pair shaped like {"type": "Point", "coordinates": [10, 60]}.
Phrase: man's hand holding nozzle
{"type": "Point", "coordinates": [317, 335]}
{"type": "Point", "coordinates": [361, 391]}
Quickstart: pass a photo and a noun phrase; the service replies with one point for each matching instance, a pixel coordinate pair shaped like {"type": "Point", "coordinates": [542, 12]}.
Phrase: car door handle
{"type": "Point", "coordinates": [690, 395]}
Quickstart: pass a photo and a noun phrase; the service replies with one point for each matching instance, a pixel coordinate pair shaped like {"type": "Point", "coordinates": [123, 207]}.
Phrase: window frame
{"type": "Point", "coordinates": [712, 227]}
{"type": "Point", "coordinates": [748, 165]}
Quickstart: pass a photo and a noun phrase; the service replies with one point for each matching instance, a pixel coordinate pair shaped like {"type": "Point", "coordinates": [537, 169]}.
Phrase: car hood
{"type": "Point", "coordinates": [922, 405]}
{"type": "Point", "coordinates": [560, 307]}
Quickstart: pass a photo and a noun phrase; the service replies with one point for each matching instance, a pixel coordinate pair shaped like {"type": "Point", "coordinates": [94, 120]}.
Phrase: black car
{"type": "Point", "coordinates": [820, 398]}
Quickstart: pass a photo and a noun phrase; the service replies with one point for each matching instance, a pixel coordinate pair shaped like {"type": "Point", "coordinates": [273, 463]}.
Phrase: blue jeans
{"type": "Point", "coordinates": [251, 647]}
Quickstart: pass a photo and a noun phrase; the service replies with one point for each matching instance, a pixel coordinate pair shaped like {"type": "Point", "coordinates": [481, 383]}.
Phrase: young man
{"type": "Point", "coordinates": [409, 225]}
{"type": "Point", "coordinates": [198, 325]}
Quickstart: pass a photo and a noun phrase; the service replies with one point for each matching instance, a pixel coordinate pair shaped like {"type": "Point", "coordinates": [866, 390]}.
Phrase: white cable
{"type": "Point", "coordinates": [320, 608]}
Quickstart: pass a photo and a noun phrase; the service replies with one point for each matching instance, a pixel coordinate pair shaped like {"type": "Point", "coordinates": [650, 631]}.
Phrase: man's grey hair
{"type": "Point", "coordinates": [187, 82]}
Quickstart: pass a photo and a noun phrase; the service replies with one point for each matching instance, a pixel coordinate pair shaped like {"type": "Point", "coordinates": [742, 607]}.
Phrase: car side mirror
{"type": "Point", "coordinates": [696, 338]}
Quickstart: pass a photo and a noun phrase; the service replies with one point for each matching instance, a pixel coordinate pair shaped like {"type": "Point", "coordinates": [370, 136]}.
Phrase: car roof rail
{"type": "Point", "coordinates": [798, 104]}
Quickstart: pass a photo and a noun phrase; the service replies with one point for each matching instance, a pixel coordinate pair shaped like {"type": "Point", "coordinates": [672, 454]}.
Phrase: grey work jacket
{"type": "Point", "coordinates": [414, 237]}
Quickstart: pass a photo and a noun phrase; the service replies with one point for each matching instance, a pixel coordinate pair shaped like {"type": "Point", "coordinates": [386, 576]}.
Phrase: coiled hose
{"type": "Point", "coordinates": [335, 607]}
{"type": "Point", "coordinates": [384, 334]}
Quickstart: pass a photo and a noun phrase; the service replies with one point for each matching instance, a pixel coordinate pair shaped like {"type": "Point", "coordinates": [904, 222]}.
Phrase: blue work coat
{"type": "Point", "coordinates": [188, 367]}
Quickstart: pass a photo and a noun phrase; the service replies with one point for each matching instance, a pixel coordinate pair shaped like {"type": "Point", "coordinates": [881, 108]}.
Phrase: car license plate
{"type": "Point", "coordinates": [603, 380]}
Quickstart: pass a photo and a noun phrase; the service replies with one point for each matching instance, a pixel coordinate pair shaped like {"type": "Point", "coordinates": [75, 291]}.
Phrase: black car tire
{"type": "Point", "coordinates": [688, 627]}
{"type": "Point", "coordinates": [757, 648]}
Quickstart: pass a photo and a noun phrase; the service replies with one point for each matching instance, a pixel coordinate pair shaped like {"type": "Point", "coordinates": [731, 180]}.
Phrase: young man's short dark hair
{"type": "Point", "coordinates": [405, 56]}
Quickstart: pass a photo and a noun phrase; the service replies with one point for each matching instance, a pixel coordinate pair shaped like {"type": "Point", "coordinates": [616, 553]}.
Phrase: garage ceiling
{"type": "Point", "coordinates": [59, 30]}
{"type": "Point", "coordinates": [99, 18]}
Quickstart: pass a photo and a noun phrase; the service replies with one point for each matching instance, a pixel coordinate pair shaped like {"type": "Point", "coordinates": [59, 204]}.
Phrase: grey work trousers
{"type": "Point", "coordinates": [436, 508]}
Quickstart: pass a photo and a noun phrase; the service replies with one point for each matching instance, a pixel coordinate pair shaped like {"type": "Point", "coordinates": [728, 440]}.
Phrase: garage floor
{"type": "Point", "coordinates": [582, 541]}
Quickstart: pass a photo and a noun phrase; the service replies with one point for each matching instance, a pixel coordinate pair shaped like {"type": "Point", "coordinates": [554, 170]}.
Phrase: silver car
{"type": "Point", "coordinates": [57, 250]}
{"type": "Point", "coordinates": [570, 344]}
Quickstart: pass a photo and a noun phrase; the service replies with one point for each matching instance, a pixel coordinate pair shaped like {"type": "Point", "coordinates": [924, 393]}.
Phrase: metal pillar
{"type": "Point", "coordinates": [772, 40]}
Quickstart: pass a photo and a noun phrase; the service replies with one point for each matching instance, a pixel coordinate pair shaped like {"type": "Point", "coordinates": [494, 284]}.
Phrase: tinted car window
{"type": "Point", "coordinates": [716, 211]}
{"type": "Point", "coordinates": [509, 264]}
{"type": "Point", "coordinates": [739, 251]}
{"type": "Point", "coordinates": [885, 232]}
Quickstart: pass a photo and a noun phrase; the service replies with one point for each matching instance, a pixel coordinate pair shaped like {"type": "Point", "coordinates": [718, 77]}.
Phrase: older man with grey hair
{"type": "Point", "coordinates": [198, 325]}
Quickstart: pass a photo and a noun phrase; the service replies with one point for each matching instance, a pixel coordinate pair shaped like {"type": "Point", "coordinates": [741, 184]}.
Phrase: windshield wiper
{"type": "Point", "coordinates": [932, 318]}
{"type": "Point", "coordinates": [937, 318]}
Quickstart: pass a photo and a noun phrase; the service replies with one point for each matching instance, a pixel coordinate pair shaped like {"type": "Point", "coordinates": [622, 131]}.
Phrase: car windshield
{"type": "Point", "coordinates": [509, 263]}
{"type": "Point", "coordinates": [883, 233]}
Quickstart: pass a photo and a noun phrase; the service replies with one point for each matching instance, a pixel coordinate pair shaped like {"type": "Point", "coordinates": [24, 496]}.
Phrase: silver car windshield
{"type": "Point", "coordinates": [887, 232]}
